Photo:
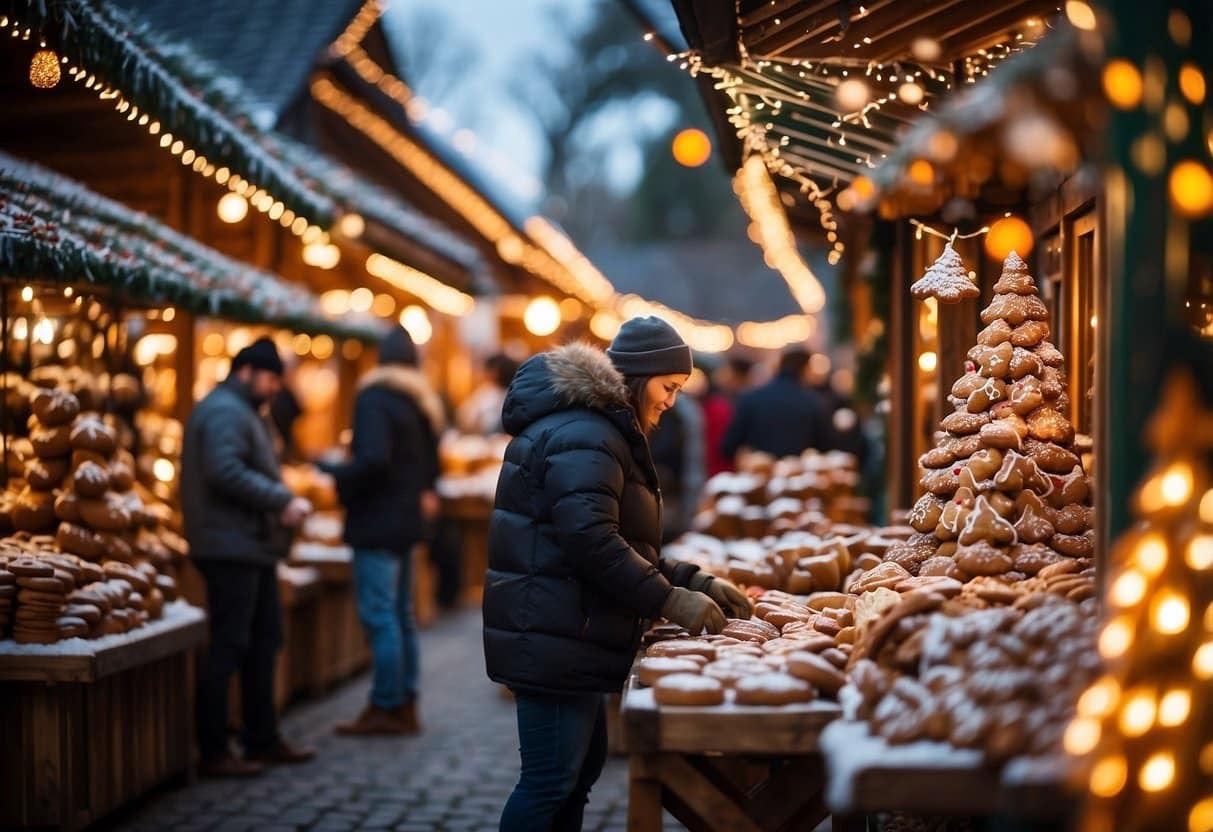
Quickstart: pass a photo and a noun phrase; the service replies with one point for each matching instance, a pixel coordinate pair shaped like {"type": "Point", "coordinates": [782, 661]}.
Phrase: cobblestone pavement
{"type": "Point", "coordinates": [454, 777]}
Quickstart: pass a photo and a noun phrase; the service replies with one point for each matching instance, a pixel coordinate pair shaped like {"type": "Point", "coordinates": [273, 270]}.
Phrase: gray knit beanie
{"type": "Point", "coordinates": [649, 347]}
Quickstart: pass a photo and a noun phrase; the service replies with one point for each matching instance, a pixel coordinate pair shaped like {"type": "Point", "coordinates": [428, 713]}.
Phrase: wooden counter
{"type": "Point", "coordinates": [90, 725]}
{"type": "Point", "coordinates": [868, 775]}
{"type": "Point", "coordinates": [731, 767]}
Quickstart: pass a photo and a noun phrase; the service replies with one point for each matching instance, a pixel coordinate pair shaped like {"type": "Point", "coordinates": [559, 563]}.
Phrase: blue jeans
{"type": "Point", "coordinates": [383, 592]}
{"type": "Point", "coordinates": [563, 745]}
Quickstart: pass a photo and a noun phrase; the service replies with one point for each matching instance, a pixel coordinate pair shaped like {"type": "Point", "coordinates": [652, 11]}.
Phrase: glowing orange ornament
{"type": "Point", "coordinates": [1191, 188]}
{"type": "Point", "coordinates": [692, 147]}
{"type": "Point", "coordinates": [1009, 234]}
{"type": "Point", "coordinates": [1122, 83]}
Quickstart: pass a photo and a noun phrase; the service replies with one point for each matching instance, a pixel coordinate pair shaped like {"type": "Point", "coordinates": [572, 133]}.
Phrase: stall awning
{"type": "Point", "coordinates": [823, 91]}
{"type": "Point", "coordinates": [54, 228]}
{"type": "Point", "coordinates": [125, 60]}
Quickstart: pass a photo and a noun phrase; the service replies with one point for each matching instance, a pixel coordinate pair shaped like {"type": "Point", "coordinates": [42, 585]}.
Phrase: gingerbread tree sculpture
{"type": "Point", "coordinates": [946, 279]}
{"type": "Point", "coordinates": [1006, 494]}
{"type": "Point", "coordinates": [1148, 723]}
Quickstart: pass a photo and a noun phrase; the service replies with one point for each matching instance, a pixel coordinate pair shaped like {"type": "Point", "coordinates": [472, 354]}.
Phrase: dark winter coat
{"type": "Point", "coordinates": [782, 417]}
{"type": "Point", "coordinates": [231, 487]}
{"type": "Point", "coordinates": [393, 459]}
{"type": "Point", "coordinates": [575, 532]}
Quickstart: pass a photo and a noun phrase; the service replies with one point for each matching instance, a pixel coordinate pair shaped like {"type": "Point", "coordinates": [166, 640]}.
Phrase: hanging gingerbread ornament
{"type": "Point", "coordinates": [946, 279]}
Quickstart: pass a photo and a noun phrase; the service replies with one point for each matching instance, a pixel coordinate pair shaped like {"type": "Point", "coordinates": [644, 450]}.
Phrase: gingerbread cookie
{"type": "Point", "coordinates": [981, 558]}
{"type": "Point", "coordinates": [946, 279]}
{"type": "Point", "coordinates": [1047, 425]}
{"type": "Point", "coordinates": [1048, 354]}
{"type": "Point", "coordinates": [962, 423]}
{"type": "Point", "coordinates": [1015, 309]}
{"type": "Point", "coordinates": [772, 689]}
{"type": "Point", "coordinates": [1032, 558]}
{"type": "Point", "coordinates": [45, 474]}
{"type": "Point", "coordinates": [1069, 488]}
{"type": "Point", "coordinates": [999, 435]}
{"type": "Point", "coordinates": [941, 482]}
{"type": "Point", "coordinates": [688, 689]}
{"type": "Point", "coordinates": [1030, 333]}
{"type": "Point", "coordinates": [993, 362]}
{"type": "Point", "coordinates": [983, 524]}
{"type": "Point", "coordinates": [1051, 458]}
{"type": "Point", "coordinates": [937, 458]}
{"type": "Point", "coordinates": [51, 443]}
{"type": "Point", "coordinates": [984, 464]}
{"type": "Point", "coordinates": [993, 391]}
{"type": "Point", "coordinates": [1015, 278]}
{"type": "Point", "coordinates": [1074, 519]}
{"type": "Point", "coordinates": [1025, 396]}
{"type": "Point", "coordinates": [996, 333]}
{"type": "Point", "coordinates": [1032, 527]}
{"type": "Point", "coordinates": [1073, 545]}
{"type": "Point", "coordinates": [925, 514]}
{"type": "Point", "coordinates": [966, 384]}
{"type": "Point", "coordinates": [1025, 363]}
{"type": "Point", "coordinates": [962, 447]}
{"type": "Point", "coordinates": [817, 671]}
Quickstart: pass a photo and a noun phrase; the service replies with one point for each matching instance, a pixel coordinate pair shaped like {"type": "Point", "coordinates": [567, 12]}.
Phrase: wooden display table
{"type": "Point", "coordinates": [868, 775]}
{"type": "Point", "coordinates": [90, 725]}
{"type": "Point", "coordinates": [339, 648]}
{"type": "Point", "coordinates": [727, 767]}
{"type": "Point", "coordinates": [300, 589]}
{"type": "Point", "coordinates": [471, 517]}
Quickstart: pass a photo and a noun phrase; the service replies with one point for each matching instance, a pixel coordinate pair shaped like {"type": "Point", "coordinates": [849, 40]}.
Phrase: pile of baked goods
{"type": "Point", "coordinates": [82, 529]}
{"type": "Point", "coordinates": [470, 465]}
{"type": "Point", "coordinates": [1007, 494]}
{"type": "Point", "coordinates": [1002, 680]}
{"type": "Point", "coordinates": [793, 650]}
{"type": "Point", "coordinates": [60, 596]}
{"type": "Point", "coordinates": [771, 496]}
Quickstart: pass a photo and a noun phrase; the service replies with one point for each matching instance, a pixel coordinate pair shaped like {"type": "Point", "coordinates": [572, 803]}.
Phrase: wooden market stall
{"type": "Point", "coordinates": [102, 704]}
{"type": "Point", "coordinates": [888, 109]}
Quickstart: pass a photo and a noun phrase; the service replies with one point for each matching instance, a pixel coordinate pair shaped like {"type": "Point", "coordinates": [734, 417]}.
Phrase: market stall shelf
{"type": "Point", "coordinates": [93, 724]}
{"type": "Point", "coordinates": [727, 766]}
{"type": "Point", "coordinates": [869, 775]}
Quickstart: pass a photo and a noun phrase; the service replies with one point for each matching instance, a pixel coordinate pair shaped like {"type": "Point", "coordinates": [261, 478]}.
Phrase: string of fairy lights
{"type": "Point", "coordinates": [821, 124]}
{"type": "Point", "coordinates": [43, 76]}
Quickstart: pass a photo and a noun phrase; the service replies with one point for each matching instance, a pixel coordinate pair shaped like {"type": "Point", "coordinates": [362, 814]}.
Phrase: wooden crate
{"type": "Point", "coordinates": [728, 767]}
{"type": "Point", "coordinates": [87, 729]}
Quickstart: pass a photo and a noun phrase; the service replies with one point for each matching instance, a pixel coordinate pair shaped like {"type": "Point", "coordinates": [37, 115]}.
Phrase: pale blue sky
{"type": "Point", "coordinates": [507, 35]}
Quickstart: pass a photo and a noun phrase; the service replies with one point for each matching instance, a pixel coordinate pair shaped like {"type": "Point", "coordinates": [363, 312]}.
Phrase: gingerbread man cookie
{"type": "Point", "coordinates": [992, 362]}
{"type": "Point", "coordinates": [1024, 363]}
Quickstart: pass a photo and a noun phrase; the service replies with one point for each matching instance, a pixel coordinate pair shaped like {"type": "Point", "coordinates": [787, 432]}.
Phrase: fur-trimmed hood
{"type": "Point", "coordinates": [575, 375]}
{"type": "Point", "coordinates": [410, 382]}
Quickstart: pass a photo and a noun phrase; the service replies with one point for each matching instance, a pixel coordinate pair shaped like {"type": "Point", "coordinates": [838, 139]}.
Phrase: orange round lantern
{"type": "Point", "coordinates": [1122, 83]}
{"type": "Point", "coordinates": [921, 172]}
{"type": "Point", "coordinates": [692, 147]}
{"type": "Point", "coordinates": [1191, 188]}
{"type": "Point", "coordinates": [1006, 235]}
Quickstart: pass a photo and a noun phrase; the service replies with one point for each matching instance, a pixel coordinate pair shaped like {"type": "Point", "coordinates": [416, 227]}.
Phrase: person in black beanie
{"type": "Point", "coordinates": [238, 517]}
{"type": "Point", "coordinates": [387, 488]}
{"type": "Point", "coordinates": [574, 556]}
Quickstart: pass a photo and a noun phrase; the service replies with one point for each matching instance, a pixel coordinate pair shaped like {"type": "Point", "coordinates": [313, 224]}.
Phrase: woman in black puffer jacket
{"type": "Point", "coordinates": [574, 566]}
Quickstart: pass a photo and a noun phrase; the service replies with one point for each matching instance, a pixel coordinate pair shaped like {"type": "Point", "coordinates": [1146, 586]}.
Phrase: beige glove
{"type": "Point", "coordinates": [693, 610]}
{"type": "Point", "coordinates": [730, 599]}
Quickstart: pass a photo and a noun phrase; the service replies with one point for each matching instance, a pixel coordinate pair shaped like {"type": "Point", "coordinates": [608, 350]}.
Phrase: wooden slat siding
{"type": "Point", "coordinates": [883, 24]}
{"type": "Point", "coordinates": [758, 11]}
{"type": "Point", "coordinates": [815, 23]}
{"type": "Point", "coordinates": [986, 29]}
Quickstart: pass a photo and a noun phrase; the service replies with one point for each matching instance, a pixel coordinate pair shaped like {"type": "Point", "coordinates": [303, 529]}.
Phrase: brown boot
{"type": "Point", "coordinates": [374, 721]}
{"type": "Point", "coordinates": [407, 714]}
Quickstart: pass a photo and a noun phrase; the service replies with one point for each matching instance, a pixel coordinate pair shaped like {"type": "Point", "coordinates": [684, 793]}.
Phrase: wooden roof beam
{"type": "Point", "coordinates": [787, 38]}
